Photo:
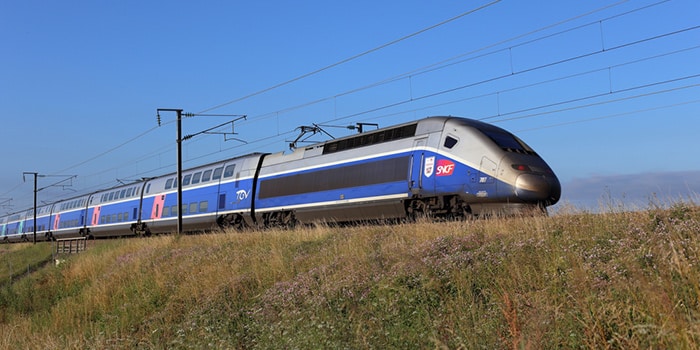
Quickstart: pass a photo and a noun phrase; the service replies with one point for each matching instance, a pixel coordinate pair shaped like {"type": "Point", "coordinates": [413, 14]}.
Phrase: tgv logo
{"type": "Point", "coordinates": [242, 194]}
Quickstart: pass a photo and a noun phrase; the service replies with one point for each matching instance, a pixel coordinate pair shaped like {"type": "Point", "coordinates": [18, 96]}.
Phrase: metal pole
{"type": "Point", "coordinates": [179, 162]}
{"type": "Point", "coordinates": [179, 171]}
{"type": "Point", "coordinates": [35, 176]}
{"type": "Point", "coordinates": [179, 152]}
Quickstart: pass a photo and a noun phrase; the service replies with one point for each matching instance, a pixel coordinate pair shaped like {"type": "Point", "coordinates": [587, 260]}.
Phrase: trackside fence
{"type": "Point", "coordinates": [66, 246]}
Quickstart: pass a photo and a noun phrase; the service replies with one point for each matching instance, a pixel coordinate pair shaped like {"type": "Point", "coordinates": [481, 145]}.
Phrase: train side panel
{"type": "Point", "coordinates": [43, 223]}
{"type": "Point", "coordinates": [354, 190]}
{"type": "Point", "coordinates": [210, 194]}
{"type": "Point", "coordinates": [15, 228]}
{"type": "Point", "coordinates": [112, 212]}
{"type": "Point", "coordinates": [68, 217]}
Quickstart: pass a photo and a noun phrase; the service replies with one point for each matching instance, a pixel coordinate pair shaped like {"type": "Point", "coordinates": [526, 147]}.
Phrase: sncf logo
{"type": "Point", "coordinates": [444, 167]}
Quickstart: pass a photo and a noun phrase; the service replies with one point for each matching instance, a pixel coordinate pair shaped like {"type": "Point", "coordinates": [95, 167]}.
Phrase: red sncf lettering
{"type": "Point", "coordinates": [444, 167]}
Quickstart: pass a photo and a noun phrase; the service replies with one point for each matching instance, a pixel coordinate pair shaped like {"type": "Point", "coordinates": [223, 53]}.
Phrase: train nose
{"type": "Point", "coordinates": [538, 188]}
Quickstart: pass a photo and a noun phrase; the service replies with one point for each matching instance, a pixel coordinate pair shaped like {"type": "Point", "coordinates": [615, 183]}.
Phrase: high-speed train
{"type": "Point", "coordinates": [437, 166]}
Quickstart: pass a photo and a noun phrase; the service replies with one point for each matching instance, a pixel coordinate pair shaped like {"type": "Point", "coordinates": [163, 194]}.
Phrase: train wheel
{"type": "Point", "coordinates": [141, 229]}
{"type": "Point", "coordinates": [281, 219]}
{"type": "Point", "coordinates": [233, 221]}
{"type": "Point", "coordinates": [416, 210]}
{"type": "Point", "coordinates": [86, 233]}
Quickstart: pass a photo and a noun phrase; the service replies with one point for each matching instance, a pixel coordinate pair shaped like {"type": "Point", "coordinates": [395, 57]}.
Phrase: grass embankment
{"type": "Point", "coordinates": [18, 260]}
{"type": "Point", "coordinates": [615, 280]}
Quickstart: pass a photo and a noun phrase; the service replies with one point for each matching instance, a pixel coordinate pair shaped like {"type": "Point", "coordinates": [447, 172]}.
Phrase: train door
{"type": "Point", "coordinates": [157, 210]}
{"type": "Point", "coordinates": [221, 202]}
{"type": "Point", "coordinates": [421, 168]}
{"type": "Point", "coordinates": [486, 183]}
{"type": "Point", "coordinates": [221, 189]}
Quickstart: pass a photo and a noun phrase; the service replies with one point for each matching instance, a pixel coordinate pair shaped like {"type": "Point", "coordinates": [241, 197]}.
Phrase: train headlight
{"type": "Point", "coordinates": [521, 167]}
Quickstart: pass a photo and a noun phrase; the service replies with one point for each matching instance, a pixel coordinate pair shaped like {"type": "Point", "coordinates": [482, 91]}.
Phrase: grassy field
{"type": "Point", "coordinates": [616, 280]}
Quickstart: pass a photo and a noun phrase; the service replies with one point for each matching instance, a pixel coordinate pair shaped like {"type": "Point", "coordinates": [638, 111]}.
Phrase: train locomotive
{"type": "Point", "coordinates": [438, 166]}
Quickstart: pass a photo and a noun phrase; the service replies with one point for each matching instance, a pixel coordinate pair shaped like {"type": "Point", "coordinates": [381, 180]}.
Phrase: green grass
{"type": "Point", "coordinates": [17, 260]}
{"type": "Point", "coordinates": [619, 280]}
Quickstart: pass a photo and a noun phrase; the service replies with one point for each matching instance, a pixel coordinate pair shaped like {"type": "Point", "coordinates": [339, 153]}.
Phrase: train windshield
{"type": "Point", "coordinates": [507, 141]}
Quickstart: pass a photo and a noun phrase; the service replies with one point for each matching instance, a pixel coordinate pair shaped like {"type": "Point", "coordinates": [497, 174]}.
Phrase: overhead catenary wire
{"type": "Point", "coordinates": [609, 116]}
{"type": "Point", "coordinates": [451, 61]}
{"type": "Point", "coordinates": [364, 53]}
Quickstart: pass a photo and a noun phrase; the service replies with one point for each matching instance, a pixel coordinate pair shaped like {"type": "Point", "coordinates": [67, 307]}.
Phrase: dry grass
{"type": "Point", "coordinates": [575, 280]}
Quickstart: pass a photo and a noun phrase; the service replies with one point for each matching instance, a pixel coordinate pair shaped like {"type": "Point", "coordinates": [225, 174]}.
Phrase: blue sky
{"type": "Point", "coordinates": [607, 92]}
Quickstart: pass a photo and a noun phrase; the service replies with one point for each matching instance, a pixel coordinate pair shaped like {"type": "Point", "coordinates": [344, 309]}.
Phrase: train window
{"type": "Point", "coordinates": [222, 201]}
{"type": "Point", "coordinates": [364, 174]}
{"type": "Point", "coordinates": [120, 217]}
{"type": "Point", "coordinates": [126, 216]}
{"type": "Point", "coordinates": [217, 173]}
{"type": "Point", "coordinates": [169, 184]}
{"type": "Point", "coordinates": [373, 138]}
{"type": "Point", "coordinates": [206, 176]}
{"type": "Point", "coordinates": [193, 208]}
{"type": "Point", "coordinates": [507, 141]}
{"type": "Point", "coordinates": [129, 192]}
{"type": "Point", "coordinates": [114, 218]}
{"type": "Point", "coordinates": [203, 206]}
{"type": "Point", "coordinates": [229, 170]}
{"type": "Point", "coordinates": [450, 142]}
{"type": "Point", "coordinates": [122, 194]}
{"type": "Point", "coordinates": [166, 212]}
{"type": "Point", "coordinates": [186, 180]}
{"type": "Point", "coordinates": [111, 196]}
{"type": "Point", "coordinates": [173, 209]}
{"type": "Point", "coordinates": [196, 177]}
{"type": "Point", "coordinates": [148, 188]}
